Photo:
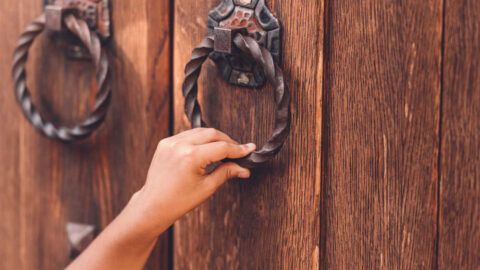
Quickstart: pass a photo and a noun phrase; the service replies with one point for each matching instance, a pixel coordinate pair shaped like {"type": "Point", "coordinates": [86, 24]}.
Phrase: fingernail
{"type": "Point", "coordinates": [251, 146]}
{"type": "Point", "coordinates": [244, 174]}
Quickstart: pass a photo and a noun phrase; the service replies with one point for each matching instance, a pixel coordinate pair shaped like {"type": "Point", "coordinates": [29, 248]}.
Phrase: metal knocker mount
{"type": "Point", "coordinates": [260, 24]}
{"type": "Point", "coordinates": [233, 42]}
{"type": "Point", "coordinates": [95, 13]}
{"type": "Point", "coordinates": [83, 25]}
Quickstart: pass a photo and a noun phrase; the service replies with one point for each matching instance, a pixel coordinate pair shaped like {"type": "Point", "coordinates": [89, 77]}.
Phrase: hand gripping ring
{"type": "Point", "coordinates": [274, 75]}
{"type": "Point", "coordinates": [99, 58]}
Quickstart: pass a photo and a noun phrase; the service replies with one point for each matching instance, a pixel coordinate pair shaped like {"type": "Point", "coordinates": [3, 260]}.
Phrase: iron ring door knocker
{"type": "Point", "coordinates": [89, 21]}
{"type": "Point", "coordinates": [223, 41]}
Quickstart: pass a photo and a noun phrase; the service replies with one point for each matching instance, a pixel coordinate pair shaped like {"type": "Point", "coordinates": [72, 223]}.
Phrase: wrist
{"type": "Point", "coordinates": [146, 219]}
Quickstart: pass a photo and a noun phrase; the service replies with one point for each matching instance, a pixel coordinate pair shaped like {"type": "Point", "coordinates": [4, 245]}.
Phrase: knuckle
{"type": "Point", "coordinates": [242, 148]}
{"type": "Point", "coordinates": [187, 151]}
{"type": "Point", "coordinates": [171, 144]}
{"type": "Point", "coordinates": [198, 129]}
{"type": "Point", "coordinates": [223, 145]}
{"type": "Point", "coordinates": [211, 132]}
{"type": "Point", "coordinates": [162, 143]}
{"type": "Point", "coordinates": [224, 149]}
{"type": "Point", "coordinates": [192, 152]}
{"type": "Point", "coordinates": [229, 173]}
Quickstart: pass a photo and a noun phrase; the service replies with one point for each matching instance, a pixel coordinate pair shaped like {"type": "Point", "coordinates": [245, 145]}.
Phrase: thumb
{"type": "Point", "coordinates": [227, 171]}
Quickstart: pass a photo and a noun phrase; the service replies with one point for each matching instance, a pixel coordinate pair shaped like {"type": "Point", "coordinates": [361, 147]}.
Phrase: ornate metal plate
{"type": "Point", "coordinates": [261, 25]}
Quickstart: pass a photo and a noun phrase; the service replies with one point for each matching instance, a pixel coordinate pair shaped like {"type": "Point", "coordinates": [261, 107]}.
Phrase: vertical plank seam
{"type": "Point", "coordinates": [439, 172]}
{"type": "Point", "coordinates": [324, 146]}
{"type": "Point", "coordinates": [171, 124]}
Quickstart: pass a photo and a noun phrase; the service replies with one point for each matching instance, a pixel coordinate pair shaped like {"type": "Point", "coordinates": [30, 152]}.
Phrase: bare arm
{"type": "Point", "coordinates": [177, 182]}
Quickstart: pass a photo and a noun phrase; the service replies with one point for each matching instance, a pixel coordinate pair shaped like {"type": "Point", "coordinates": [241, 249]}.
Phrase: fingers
{"type": "Point", "coordinates": [203, 135]}
{"type": "Point", "coordinates": [225, 172]}
{"type": "Point", "coordinates": [217, 151]}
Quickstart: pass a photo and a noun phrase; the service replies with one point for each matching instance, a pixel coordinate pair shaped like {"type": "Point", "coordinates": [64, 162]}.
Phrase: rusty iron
{"type": "Point", "coordinates": [95, 13]}
{"type": "Point", "coordinates": [224, 39]}
{"type": "Point", "coordinates": [260, 24]}
{"type": "Point", "coordinates": [91, 41]}
{"type": "Point", "coordinates": [263, 58]}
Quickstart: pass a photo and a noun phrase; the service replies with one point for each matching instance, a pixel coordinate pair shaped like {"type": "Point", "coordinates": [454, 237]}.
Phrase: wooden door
{"type": "Point", "coordinates": [46, 184]}
{"type": "Point", "coordinates": [272, 220]}
{"type": "Point", "coordinates": [381, 166]}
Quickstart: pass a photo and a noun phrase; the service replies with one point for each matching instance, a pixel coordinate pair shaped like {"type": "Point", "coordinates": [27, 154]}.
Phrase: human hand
{"type": "Point", "coordinates": [178, 181]}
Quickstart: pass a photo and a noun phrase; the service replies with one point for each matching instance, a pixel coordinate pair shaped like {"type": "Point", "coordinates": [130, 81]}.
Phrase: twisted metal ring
{"type": "Point", "coordinates": [274, 75]}
{"type": "Point", "coordinates": [99, 58]}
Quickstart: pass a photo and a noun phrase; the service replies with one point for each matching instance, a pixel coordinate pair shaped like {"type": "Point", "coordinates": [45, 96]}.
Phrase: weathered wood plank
{"type": "Point", "coordinates": [270, 221]}
{"type": "Point", "coordinates": [381, 133]}
{"type": "Point", "coordinates": [459, 219]}
{"type": "Point", "coordinates": [91, 181]}
{"type": "Point", "coordinates": [9, 140]}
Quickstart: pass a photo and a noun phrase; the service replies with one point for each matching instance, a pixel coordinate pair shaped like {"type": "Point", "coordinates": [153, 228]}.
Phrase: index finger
{"type": "Point", "coordinates": [217, 151]}
{"type": "Point", "coordinates": [200, 136]}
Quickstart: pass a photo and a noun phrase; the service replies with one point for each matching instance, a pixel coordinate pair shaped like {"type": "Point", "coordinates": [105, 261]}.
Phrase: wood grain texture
{"type": "Point", "coordinates": [381, 134]}
{"type": "Point", "coordinates": [49, 183]}
{"type": "Point", "coordinates": [459, 219]}
{"type": "Point", "coordinates": [9, 167]}
{"type": "Point", "coordinates": [271, 220]}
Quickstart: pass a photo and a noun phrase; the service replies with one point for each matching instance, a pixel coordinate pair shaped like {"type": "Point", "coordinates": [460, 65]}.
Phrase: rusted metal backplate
{"type": "Point", "coordinates": [95, 12]}
{"type": "Point", "coordinates": [261, 25]}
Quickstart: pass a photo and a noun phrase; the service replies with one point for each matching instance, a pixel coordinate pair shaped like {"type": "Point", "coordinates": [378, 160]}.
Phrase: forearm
{"type": "Point", "coordinates": [124, 244]}
{"type": "Point", "coordinates": [177, 182]}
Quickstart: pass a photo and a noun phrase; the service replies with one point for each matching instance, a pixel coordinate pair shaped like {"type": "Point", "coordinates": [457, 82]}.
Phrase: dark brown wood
{"type": "Point", "coordinates": [46, 183]}
{"type": "Point", "coordinates": [272, 220]}
{"type": "Point", "coordinates": [381, 133]}
{"type": "Point", "coordinates": [10, 216]}
{"type": "Point", "coordinates": [380, 170]}
{"type": "Point", "coordinates": [459, 219]}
